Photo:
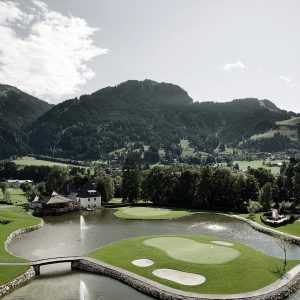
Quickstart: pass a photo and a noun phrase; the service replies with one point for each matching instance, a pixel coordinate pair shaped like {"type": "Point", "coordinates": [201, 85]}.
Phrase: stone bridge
{"type": "Point", "coordinates": [74, 260]}
{"type": "Point", "coordinates": [36, 264]}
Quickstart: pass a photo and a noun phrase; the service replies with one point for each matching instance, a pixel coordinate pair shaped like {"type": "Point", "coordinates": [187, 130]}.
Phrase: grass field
{"type": "Point", "coordinates": [293, 228]}
{"type": "Point", "coordinates": [17, 196]}
{"type": "Point", "coordinates": [18, 219]}
{"type": "Point", "coordinates": [255, 164]}
{"type": "Point", "coordinates": [149, 213]}
{"type": "Point", "coordinates": [248, 271]}
{"type": "Point", "coordinates": [31, 161]}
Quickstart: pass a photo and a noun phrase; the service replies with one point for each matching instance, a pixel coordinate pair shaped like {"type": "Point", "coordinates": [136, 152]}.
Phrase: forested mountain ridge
{"type": "Point", "coordinates": [136, 113]}
{"type": "Point", "coordinates": [146, 113]}
{"type": "Point", "coordinates": [16, 110]}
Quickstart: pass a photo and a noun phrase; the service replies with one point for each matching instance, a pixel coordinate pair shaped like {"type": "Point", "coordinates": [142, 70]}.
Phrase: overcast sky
{"type": "Point", "coordinates": [215, 50]}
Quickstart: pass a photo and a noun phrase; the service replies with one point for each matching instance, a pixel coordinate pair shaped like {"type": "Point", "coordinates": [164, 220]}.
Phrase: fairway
{"type": "Point", "coordinates": [149, 213]}
{"type": "Point", "coordinates": [188, 250]}
{"type": "Point", "coordinates": [176, 256]}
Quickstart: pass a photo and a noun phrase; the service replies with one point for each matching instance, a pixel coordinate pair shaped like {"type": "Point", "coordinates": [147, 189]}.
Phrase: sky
{"type": "Point", "coordinates": [215, 50]}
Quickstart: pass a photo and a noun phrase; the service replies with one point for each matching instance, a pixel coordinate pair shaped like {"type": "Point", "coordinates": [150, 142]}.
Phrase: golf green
{"type": "Point", "coordinates": [149, 213]}
{"type": "Point", "coordinates": [227, 269]}
{"type": "Point", "coordinates": [188, 250]}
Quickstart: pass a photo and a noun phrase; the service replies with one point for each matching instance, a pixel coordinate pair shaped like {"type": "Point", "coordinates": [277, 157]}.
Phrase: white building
{"type": "Point", "coordinates": [17, 182]}
{"type": "Point", "coordinates": [89, 198]}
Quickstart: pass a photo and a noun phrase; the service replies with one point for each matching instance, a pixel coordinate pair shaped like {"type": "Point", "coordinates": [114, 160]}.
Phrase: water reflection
{"type": "Point", "coordinates": [61, 236]}
{"type": "Point", "coordinates": [83, 292]}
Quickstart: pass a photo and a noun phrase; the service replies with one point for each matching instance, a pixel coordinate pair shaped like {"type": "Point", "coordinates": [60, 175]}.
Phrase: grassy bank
{"type": "Point", "coordinates": [292, 228]}
{"type": "Point", "coordinates": [18, 219]}
{"type": "Point", "coordinates": [17, 196]}
{"type": "Point", "coordinates": [249, 271]}
{"type": "Point", "coordinates": [149, 213]}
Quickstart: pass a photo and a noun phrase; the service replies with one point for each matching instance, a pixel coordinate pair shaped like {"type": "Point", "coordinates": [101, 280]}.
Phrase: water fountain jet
{"type": "Point", "coordinates": [82, 222]}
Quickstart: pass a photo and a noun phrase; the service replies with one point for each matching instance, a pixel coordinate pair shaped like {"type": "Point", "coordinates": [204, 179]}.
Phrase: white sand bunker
{"type": "Point", "coordinates": [222, 243]}
{"type": "Point", "coordinates": [143, 262]}
{"type": "Point", "coordinates": [179, 276]}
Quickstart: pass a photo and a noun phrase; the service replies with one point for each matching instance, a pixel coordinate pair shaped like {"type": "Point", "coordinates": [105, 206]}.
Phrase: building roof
{"type": "Point", "coordinates": [53, 198]}
{"type": "Point", "coordinates": [84, 193]}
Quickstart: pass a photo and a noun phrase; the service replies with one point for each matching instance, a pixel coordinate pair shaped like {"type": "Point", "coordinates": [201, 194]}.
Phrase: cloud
{"type": "Point", "coordinates": [287, 79]}
{"type": "Point", "coordinates": [234, 66]}
{"type": "Point", "coordinates": [50, 59]}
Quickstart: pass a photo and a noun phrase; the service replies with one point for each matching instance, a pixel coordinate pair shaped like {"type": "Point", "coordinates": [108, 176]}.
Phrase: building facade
{"type": "Point", "coordinates": [89, 198]}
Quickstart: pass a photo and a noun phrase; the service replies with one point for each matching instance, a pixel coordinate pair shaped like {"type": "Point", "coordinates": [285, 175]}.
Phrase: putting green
{"type": "Point", "coordinates": [149, 213]}
{"type": "Point", "coordinates": [249, 271]}
{"type": "Point", "coordinates": [191, 251]}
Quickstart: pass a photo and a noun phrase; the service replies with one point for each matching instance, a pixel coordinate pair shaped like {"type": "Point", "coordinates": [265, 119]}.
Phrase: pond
{"type": "Point", "coordinates": [62, 236]}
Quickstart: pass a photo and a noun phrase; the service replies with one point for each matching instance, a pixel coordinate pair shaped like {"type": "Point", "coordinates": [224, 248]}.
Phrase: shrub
{"type": "Point", "coordinates": [4, 222]}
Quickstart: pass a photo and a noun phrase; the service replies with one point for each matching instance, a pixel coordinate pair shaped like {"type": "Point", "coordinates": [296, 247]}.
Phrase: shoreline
{"type": "Point", "coordinates": [26, 276]}
{"type": "Point", "coordinates": [278, 290]}
{"type": "Point", "coordinates": [270, 231]}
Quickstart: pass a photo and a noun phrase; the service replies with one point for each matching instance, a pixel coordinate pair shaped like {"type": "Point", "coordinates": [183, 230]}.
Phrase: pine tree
{"type": "Point", "coordinates": [130, 181]}
{"type": "Point", "coordinates": [265, 197]}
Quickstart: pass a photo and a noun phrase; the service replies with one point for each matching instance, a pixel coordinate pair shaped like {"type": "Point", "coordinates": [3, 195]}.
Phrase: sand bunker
{"type": "Point", "coordinates": [222, 243]}
{"type": "Point", "coordinates": [179, 276]}
{"type": "Point", "coordinates": [143, 262]}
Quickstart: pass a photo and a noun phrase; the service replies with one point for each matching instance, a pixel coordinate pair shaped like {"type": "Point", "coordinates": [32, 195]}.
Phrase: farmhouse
{"type": "Point", "coordinates": [89, 198]}
{"type": "Point", "coordinates": [53, 204]}
{"type": "Point", "coordinates": [16, 182]}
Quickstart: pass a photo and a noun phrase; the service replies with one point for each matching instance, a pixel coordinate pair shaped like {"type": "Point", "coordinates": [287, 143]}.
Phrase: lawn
{"type": "Point", "coordinates": [31, 161]}
{"type": "Point", "coordinates": [18, 219]}
{"type": "Point", "coordinates": [149, 213]}
{"type": "Point", "coordinates": [247, 271]}
{"type": "Point", "coordinates": [293, 228]}
{"type": "Point", "coordinates": [17, 196]}
{"type": "Point", "coordinates": [255, 164]}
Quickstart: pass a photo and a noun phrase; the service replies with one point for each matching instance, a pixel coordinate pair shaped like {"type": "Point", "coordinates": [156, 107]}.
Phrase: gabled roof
{"type": "Point", "coordinates": [53, 198]}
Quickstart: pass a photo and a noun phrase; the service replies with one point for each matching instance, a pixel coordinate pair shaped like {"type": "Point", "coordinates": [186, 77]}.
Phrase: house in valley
{"type": "Point", "coordinates": [53, 203]}
{"type": "Point", "coordinates": [89, 198]}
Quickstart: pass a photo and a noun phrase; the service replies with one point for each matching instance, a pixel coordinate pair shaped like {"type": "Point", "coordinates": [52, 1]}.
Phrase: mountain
{"type": "Point", "coordinates": [148, 116]}
{"type": "Point", "coordinates": [16, 110]}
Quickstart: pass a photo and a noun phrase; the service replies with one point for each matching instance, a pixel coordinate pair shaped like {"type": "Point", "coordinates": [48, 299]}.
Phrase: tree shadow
{"type": "Point", "coordinates": [279, 271]}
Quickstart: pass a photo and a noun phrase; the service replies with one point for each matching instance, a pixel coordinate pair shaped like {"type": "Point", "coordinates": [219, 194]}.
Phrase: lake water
{"type": "Point", "coordinates": [62, 236]}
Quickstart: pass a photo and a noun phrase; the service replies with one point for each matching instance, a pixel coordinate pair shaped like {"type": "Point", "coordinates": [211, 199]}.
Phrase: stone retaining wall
{"type": "Point", "coordinates": [21, 231]}
{"type": "Point", "coordinates": [4, 289]}
{"type": "Point", "coordinates": [29, 273]}
{"type": "Point", "coordinates": [160, 291]}
{"type": "Point", "coordinates": [270, 231]}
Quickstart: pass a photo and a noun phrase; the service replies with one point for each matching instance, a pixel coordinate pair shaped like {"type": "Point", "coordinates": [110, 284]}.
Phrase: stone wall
{"type": "Point", "coordinates": [159, 291]}
{"type": "Point", "coordinates": [21, 231]}
{"type": "Point", "coordinates": [29, 273]}
{"type": "Point", "coordinates": [4, 289]}
{"type": "Point", "coordinates": [270, 231]}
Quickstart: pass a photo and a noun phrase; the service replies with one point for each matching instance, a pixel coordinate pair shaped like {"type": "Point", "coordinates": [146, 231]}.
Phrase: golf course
{"type": "Point", "coordinates": [149, 213]}
{"type": "Point", "coordinates": [194, 263]}
{"type": "Point", "coordinates": [17, 218]}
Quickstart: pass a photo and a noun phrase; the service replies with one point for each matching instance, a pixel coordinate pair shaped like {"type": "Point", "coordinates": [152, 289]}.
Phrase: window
{"type": "Point", "coordinates": [95, 199]}
{"type": "Point", "coordinates": [89, 199]}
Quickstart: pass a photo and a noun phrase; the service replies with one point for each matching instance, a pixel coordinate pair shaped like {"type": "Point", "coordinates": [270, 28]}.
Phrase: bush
{"type": "Point", "coordinates": [4, 222]}
{"type": "Point", "coordinates": [254, 207]}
